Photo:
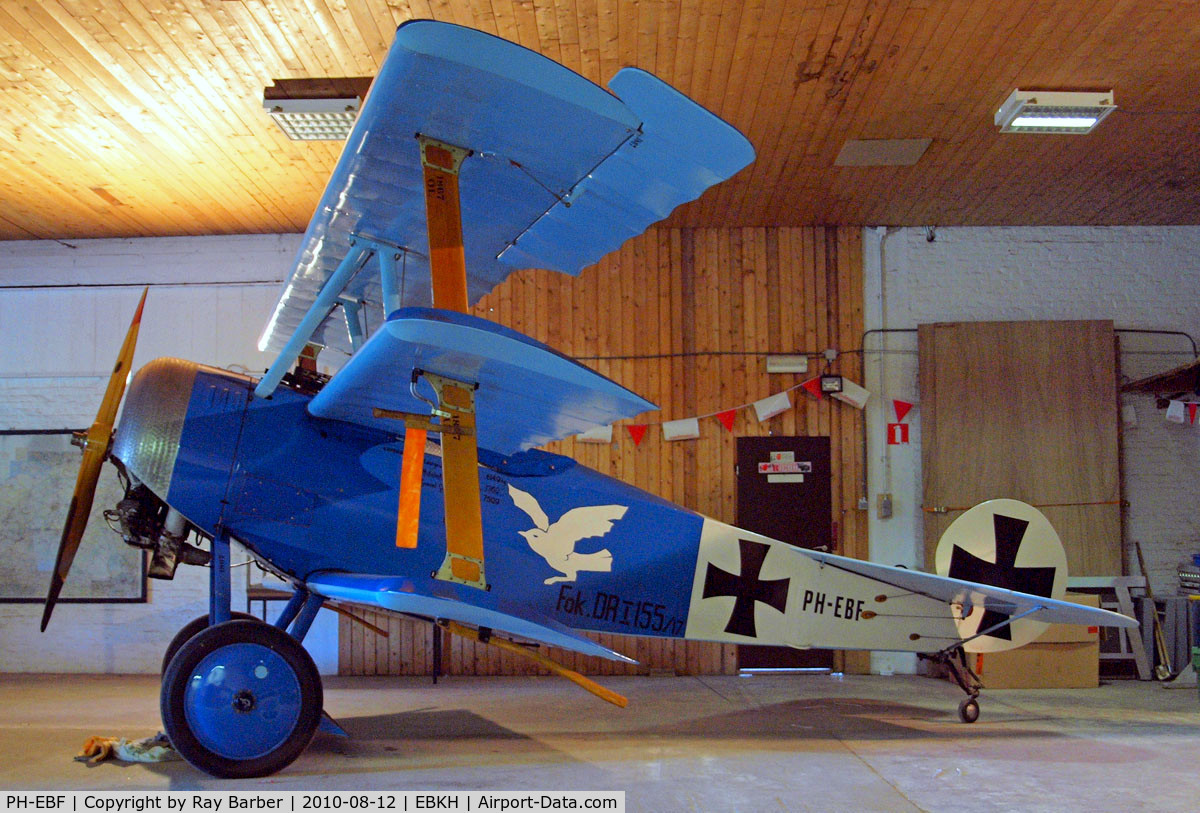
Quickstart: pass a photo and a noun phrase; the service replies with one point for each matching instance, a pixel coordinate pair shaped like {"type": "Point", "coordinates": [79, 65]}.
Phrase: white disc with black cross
{"type": "Point", "coordinates": [1009, 544]}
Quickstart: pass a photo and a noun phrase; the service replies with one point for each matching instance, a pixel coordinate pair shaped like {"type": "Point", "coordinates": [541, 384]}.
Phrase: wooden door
{"type": "Point", "coordinates": [1026, 410]}
{"type": "Point", "coordinates": [793, 507]}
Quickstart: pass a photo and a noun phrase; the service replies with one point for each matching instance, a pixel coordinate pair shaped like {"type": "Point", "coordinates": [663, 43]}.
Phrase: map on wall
{"type": "Point", "coordinates": [37, 476]}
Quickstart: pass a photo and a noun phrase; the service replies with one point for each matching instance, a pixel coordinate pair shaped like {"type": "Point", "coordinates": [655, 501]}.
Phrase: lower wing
{"type": "Point", "coordinates": [397, 594]}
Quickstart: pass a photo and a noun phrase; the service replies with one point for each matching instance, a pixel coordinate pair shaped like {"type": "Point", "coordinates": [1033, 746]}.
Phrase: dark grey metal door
{"type": "Point", "coordinates": [784, 492]}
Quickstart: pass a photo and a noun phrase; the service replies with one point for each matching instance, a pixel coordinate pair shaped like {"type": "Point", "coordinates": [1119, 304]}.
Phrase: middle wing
{"type": "Point", "coordinates": [528, 393]}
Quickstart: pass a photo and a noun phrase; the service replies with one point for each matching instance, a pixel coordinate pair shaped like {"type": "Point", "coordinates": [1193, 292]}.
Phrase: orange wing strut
{"type": "Point", "coordinates": [540, 659]}
{"type": "Point", "coordinates": [411, 469]}
{"type": "Point", "coordinates": [443, 215]}
{"type": "Point", "coordinates": [456, 399]}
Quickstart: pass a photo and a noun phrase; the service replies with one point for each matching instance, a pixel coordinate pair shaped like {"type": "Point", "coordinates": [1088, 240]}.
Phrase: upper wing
{"type": "Point", "coordinates": [528, 393]}
{"type": "Point", "coordinates": [562, 172]}
{"type": "Point", "coordinates": [974, 594]}
{"type": "Point", "coordinates": [396, 593]}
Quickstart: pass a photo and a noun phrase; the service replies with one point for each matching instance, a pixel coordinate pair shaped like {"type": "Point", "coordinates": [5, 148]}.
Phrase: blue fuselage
{"type": "Point", "coordinates": [310, 495]}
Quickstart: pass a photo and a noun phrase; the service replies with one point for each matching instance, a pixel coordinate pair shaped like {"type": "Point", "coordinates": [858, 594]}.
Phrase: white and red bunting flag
{"type": "Point", "coordinates": [727, 417]}
{"type": "Point", "coordinates": [852, 394]}
{"type": "Point", "coordinates": [813, 386]}
{"type": "Point", "coordinates": [637, 431]}
{"type": "Point", "coordinates": [600, 434]}
{"type": "Point", "coordinates": [772, 405]}
{"type": "Point", "coordinates": [1175, 412]}
{"type": "Point", "coordinates": [1192, 412]}
{"type": "Point", "coordinates": [902, 408]}
{"type": "Point", "coordinates": [684, 429]}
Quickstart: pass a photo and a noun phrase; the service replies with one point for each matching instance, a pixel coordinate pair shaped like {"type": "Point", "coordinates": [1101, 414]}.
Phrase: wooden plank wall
{"type": "Point", "coordinates": [683, 317]}
{"type": "Point", "coordinates": [1026, 410]}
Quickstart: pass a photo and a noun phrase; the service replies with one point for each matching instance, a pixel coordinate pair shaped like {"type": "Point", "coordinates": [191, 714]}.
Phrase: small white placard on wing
{"type": "Point", "coordinates": [772, 405]}
{"type": "Point", "coordinates": [601, 434]}
{"type": "Point", "coordinates": [685, 429]}
{"type": "Point", "coordinates": [785, 478]}
{"type": "Point", "coordinates": [852, 394]}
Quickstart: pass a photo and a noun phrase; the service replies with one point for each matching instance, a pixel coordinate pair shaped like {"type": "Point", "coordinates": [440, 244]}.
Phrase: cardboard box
{"type": "Point", "coordinates": [1065, 656]}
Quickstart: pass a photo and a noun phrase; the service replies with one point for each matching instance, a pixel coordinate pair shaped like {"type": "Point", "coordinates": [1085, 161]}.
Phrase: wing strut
{"type": "Point", "coordinates": [354, 260]}
{"type": "Point", "coordinates": [456, 399]}
{"type": "Point", "coordinates": [485, 636]}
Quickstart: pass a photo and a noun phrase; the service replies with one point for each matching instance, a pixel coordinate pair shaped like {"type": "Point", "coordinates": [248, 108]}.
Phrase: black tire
{"type": "Point", "coordinates": [968, 710]}
{"type": "Point", "coordinates": [189, 631]}
{"type": "Point", "coordinates": [236, 727]}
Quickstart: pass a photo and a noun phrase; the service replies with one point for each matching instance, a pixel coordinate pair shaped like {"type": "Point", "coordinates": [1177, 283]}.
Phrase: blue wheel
{"type": "Point", "coordinates": [241, 699]}
{"type": "Point", "coordinates": [189, 631]}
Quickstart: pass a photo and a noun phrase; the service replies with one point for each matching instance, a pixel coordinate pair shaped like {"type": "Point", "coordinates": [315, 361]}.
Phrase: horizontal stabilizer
{"type": "Point", "coordinates": [397, 594]}
{"type": "Point", "coordinates": [973, 594]}
{"type": "Point", "coordinates": [528, 393]}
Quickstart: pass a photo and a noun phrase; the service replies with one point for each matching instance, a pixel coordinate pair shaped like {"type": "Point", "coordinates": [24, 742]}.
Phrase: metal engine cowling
{"type": "Point", "coordinates": [156, 403]}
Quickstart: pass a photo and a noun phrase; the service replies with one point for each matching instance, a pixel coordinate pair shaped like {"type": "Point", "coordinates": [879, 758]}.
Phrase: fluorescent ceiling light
{"type": "Point", "coordinates": [314, 119]}
{"type": "Point", "coordinates": [1053, 111]}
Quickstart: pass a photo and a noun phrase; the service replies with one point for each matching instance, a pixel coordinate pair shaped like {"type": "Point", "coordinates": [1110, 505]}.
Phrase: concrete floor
{"type": "Point", "coordinates": [715, 743]}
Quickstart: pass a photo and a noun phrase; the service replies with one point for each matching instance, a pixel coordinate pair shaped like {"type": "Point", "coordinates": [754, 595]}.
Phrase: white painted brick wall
{"type": "Point", "coordinates": [1147, 278]}
{"type": "Point", "coordinates": [63, 316]}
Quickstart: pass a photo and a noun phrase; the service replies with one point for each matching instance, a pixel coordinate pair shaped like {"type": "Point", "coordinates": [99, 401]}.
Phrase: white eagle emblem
{"type": "Point", "coordinates": [556, 543]}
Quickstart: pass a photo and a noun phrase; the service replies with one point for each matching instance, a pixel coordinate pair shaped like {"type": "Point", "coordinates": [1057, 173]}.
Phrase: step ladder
{"type": "Point", "coordinates": [1120, 600]}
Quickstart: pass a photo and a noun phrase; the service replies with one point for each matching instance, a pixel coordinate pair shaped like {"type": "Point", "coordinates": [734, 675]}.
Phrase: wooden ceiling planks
{"type": "Point", "coordinates": [91, 75]}
{"type": "Point", "coordinates": [157, 104]}
{"type": "Point", "coordinates": [1075, 26]}
{"type": "Point", "coordinates": [790, 154]}
{"type": "Point", "coordinates": [948, 121]}
{"type": "Point", "coordinates": [893, 66]}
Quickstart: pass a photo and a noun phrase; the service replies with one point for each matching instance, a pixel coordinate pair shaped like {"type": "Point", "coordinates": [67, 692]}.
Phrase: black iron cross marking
{"type": "Point", "coordinates": [747, 588]}
{"type": "Point", "coordinates": [1003, 572]}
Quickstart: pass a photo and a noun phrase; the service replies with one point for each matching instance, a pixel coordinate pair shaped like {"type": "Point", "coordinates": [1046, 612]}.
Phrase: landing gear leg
{"type": "Point", "coordinates": [241, 698]}
{"type": "Point", "coordinates": [219, 589]}
{"type": "Point", "coordinates": [955, 660]}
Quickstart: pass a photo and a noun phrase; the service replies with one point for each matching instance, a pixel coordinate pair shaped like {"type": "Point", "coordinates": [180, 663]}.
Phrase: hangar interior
{"type": "Point", "coordinates": [137, 152]}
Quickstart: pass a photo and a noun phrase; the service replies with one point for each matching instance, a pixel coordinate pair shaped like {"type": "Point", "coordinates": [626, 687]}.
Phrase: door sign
{"type": "Point", "coordinates": [784, 468]}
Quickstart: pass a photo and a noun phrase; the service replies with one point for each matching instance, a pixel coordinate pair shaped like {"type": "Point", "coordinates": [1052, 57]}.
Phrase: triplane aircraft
{"type": "Point", "coordinates": [473, 157]}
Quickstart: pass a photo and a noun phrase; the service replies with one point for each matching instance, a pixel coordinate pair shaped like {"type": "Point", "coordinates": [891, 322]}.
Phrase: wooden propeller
{"type": "Point", "coordinates": [95, 450]}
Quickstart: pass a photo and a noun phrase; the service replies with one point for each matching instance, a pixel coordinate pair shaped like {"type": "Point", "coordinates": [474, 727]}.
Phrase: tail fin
{"type": "Point", "coordinates": [1008, 544]}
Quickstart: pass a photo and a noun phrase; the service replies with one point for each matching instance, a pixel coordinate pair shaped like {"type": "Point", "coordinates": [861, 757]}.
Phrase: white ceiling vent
{"type": "Point", "coordinates": [882, 152]}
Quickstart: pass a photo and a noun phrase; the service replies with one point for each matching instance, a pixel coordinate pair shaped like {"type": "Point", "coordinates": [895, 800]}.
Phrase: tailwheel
{"type": "Point", "coordinates": [189, 631]}
{"type": "Point", "coordinates": [968, 710]}
{"type": "Point", "coordinates": [241, 699]}
{"type": "Point", "coordinates": [954, 659]}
